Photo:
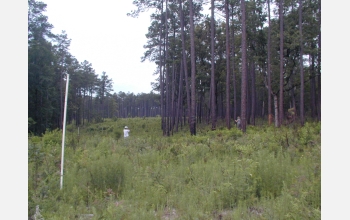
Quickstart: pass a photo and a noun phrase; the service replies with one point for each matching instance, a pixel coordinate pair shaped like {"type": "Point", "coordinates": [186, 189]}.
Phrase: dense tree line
{"type": "Point", "coordinates": [256, 58]}
{"type": "Point", "coordinates": [90, 97]}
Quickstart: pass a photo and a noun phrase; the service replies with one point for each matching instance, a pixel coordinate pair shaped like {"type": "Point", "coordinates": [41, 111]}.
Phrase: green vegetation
{"type": "Point", "coordinates": [267, 173]}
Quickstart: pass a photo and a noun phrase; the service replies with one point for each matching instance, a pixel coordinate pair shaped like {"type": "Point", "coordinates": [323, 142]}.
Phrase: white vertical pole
{"type": "Point", "coordinates": [64, 130]}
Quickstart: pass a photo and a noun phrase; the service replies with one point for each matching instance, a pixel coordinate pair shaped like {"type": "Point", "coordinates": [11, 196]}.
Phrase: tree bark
{"type": "Point", "coordinates": [193, 73]}
{"type": "Point", "coordinates": [275, 101]}
{"type": "Point", "coordinates": [281, 64]}
{"type": "Point", "coordinates": [167, 77]}
{"type": "Point", "coordinates": [212, 78]}
{"type": "Point", "coordinates": [184, 60]}
{"type": "Point", "coordinates": [313, 86]}
{"type": "Point", "coordinates": [161, 80]}
{"type": "Point", "coordinates": [235, 106]}
{"type": "Point", "coordinates": [244, 69]}
{"type": "Point", "coordinates": [179, 100]}
{"type": "Point", "coordinates": [319, 65]}
{"type": "Point", "coordinates": [302, 119]}
{"type": "Point", "coordinates": [173, 102]}
{"type": "Point", "coordinates": [228, 124]}
{"type": "Point", "coordinates": [269, 100]}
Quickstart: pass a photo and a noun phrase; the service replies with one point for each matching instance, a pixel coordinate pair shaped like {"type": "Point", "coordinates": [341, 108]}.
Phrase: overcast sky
{"type": "Point", "coordinates": [102, 33]}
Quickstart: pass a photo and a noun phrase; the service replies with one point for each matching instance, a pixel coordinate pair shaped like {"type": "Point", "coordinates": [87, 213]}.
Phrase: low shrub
{"type": "Point", "coordinates": [107, 174]}
{"type": "Point", "coordinates": [266, 173]}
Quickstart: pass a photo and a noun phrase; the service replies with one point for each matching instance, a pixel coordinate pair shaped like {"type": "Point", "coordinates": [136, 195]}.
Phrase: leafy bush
{"type": "Point", "coordinates": [54, 137]}
{"type": "Point", "coordinates": [117, 134]}
{"type": "Point", "coordinates": [308, 132]}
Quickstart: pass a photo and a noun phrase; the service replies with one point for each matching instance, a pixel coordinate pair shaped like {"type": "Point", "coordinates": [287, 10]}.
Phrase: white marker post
{"type": "Point", "coordinates": [64, 130]}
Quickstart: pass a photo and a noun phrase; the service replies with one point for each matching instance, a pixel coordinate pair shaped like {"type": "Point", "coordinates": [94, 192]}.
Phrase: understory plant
{"type": "Point", "coordinates": [266, 173]}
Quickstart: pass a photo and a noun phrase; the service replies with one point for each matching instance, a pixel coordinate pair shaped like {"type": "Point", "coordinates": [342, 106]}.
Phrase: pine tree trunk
{"type": "Point", "coordinates": [234, 104]}
{"type": "Point", "coordinates": [179, 100]}
{"type": "Point", "coordinates": [313, 87]}
{"type": "Point", "coordinates": [167, 77]}
{"type": "Point", "coordinates": [193, 73]}
{"type": "Point", "coordinates": [292, 91]}
{"type": "Point", "coordinates": [161, 81]}
{"type": "Point", "coordinates": [281, 63]}
{"type": "Point", "coordinates": [249, 91]}
{"type": "Point", "coordinates": [269, 100]}
{"type": "Point", "coordinates": [302, 113]}
{"type": "Point", "coordinates": [173, 102]}
{"type": "Point", "coordinates": [319, 70]}
{"type": "Point", "coordinates": [244, 69]}
{"type": "Point", "coordinates": [184, 60]}
{"type": "Point", "coordinates": [319, 65]}
{"type": "Point", "coordinates": [209, 106]}
{"type": "Point", "coordinates": [212, 79]}
{"type": "Point", "coordinates": [228, 125]}
{"type": "Point", "coordinates": [275, 102]}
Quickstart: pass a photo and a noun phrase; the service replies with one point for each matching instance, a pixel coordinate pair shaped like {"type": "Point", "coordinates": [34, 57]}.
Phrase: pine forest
{"type": "Point", "coordinates": [230, 130]}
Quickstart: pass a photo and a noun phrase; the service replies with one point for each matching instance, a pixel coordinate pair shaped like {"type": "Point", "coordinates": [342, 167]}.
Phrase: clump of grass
{"type": "Point", "coordinates": [107, 174]}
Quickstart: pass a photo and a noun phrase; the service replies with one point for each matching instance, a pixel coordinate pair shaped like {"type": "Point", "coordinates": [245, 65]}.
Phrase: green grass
{"type": "Point", "coordinates": [267, 173]}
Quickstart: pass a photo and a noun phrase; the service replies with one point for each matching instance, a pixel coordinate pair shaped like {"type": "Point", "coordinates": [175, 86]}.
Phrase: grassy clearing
{"type": "Point", "coordinates": [267, 173]}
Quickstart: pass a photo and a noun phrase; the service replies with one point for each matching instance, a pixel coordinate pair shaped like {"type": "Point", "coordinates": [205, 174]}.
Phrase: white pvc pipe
{"type": "Point", "coordinates": [64, 130]}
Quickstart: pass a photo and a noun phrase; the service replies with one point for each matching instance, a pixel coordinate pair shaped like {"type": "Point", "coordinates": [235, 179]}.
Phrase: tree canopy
{"type": "Point", "coordinates": [260, 62]}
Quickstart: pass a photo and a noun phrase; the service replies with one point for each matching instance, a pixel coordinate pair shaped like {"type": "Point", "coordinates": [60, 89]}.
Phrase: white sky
{"type": "Point", "coordinates": [102, 33]}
